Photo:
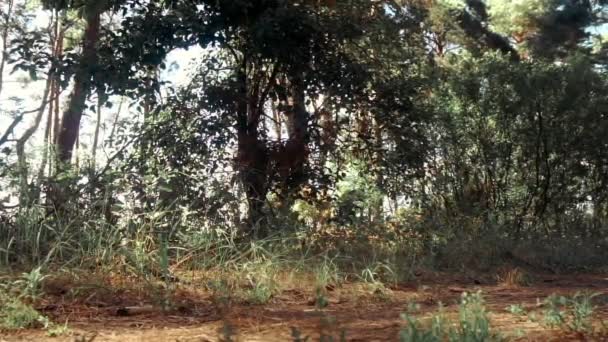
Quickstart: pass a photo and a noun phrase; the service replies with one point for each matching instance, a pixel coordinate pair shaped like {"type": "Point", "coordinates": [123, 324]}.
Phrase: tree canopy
{"type": "Point", "coordinates": [476, 110]}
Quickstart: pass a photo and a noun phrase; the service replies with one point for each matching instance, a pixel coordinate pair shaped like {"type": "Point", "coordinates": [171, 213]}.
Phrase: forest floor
{"type": "Point", "coordinates": [98, 313]}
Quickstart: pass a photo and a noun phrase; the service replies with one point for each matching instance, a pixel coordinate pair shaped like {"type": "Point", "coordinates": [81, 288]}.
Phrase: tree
{"type": "Point", "coordinates": [519, 142]}
{"type": "Point", "coordinates": [304, 61]}
{"type": "Point", "coordinates": [70, 122]}
{"type": "Point", "coordinates": [548, 28]}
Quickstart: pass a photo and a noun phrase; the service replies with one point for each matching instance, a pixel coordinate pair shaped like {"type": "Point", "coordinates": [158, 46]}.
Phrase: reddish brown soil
{"type": "Point", "coordinates": [361, 314]}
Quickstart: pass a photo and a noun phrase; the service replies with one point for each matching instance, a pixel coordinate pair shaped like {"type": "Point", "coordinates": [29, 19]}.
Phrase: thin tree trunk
{"type": "Point", "coordinates": [54, 93]}
{"type": "Point", "coordinates": [9, 13]}
{"type": "Point", "coordinates": [115, 123]}
{"type": "Point", "coordinates": [77, 153]}
{"type": "Point", "coordinates": [20, 146]}
{"type": "Point", "coordinates": [70, 124]}
{"type": "Point", "coordinates": [47, 138]}
{"type": "Point", "coordinates": [54, 134]}
{"type": "Point", "coordinates": [276, 117]}
{"type": "Point", "coordinates": [96, 135]}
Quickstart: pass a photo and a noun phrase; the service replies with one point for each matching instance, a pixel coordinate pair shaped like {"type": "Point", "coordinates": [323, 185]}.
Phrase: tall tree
{"type": "Point", "coordinates": [83, 78]}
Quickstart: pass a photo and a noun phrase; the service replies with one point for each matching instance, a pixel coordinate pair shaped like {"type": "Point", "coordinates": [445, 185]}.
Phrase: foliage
{"type": "Point", "coordinates": [351, 139]}
{"type": "Point", "coordinates": [570, 313]}
{"type": "Point", "coordinates": [473, 324]}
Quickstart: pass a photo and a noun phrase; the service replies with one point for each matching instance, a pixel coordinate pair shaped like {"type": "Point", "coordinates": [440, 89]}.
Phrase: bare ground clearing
{"type": "Point", "coordinates": [362, 315]}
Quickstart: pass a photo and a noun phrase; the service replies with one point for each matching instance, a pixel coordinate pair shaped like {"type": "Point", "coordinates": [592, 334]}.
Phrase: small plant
{"type": "Point", "coordinates": [261, 278]}
{"type": "Point", "coordinates": [29, 283]}
{"type": "Point", "coordinates": [582, 311]}
{"type": "Point", "coordinates": [516, 309]}
{"type": "Point", "coordinates": [514, 277]}
{"type": "Point", "coordinates": [370, 277]}
{"type": "Point", "coordinates": [259, 294]}
{"type": "Point", "coordinates": [415, 332]}
{"type": "Point", "coordinates": [572, 314]}
{"type": "Point", "coordinates": [327, 273]}
{"type": "Point", "coordinates": [554, 315]}
{"type": "Point", "coordinates": [58, 330]}
{"type": "Point", "coordinates": [321, 300]}
{"type": "Point", "coordinates": [16, 315]}
{"type": "Point", "coordinates": [297, 336]}
{"type": "Point", "coordinates": [473, 324]}
{"type": "Point", "coordinates": [221, 292]}
{"type": "Point", "coordinates": [474, 321]}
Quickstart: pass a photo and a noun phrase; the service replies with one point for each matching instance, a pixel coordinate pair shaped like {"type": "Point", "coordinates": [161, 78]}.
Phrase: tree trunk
{"type": "Point", "coordinates": [53, 102]}
{"type": "Point", "coordinates": [70, 124]}
{"type": "Point", "coordinates": [20, 145]}
{"type": "Point", "coordinates": [46, 144]}
{"type": "Point", "coordinates": [252, 156]}
{"type": "Point", "coordinates": [9, 13]}
{"type": "Point", "coordinates": [115, 123]}
{"type": "Point", "coordinates": [292, 163]}
{"type": "Point", "coordinates": [96, 134]}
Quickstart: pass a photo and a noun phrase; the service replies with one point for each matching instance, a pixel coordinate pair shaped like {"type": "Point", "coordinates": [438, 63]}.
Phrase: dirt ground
{"type": "Point", "coordinates": [362, 315]}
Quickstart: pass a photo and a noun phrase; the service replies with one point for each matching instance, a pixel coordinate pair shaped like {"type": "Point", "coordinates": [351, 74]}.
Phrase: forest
{"type": "Point", "coordinates": [304, 170]}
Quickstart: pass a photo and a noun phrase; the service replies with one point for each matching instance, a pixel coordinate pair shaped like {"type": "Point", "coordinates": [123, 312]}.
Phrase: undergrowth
{"type": "Point", "coordinates": [473, 324]}
{"type": "Point", "coordinates": [153, 249]}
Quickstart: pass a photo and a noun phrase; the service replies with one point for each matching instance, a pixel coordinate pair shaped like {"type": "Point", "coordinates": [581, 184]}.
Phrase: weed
{"type": "Point", "coordinates": [321, 300]}
{"type": "Point", "coordinates": [261, 277]}
{"type": "Point", "coordinates": [516, 309]}
{"type": "Point", "coordinates": [572, 314]}
{"type": "Point", "coordinates": [415, 332]}
{"type": "Point", "coordinates": [327, 273]}
{"type": "Point", "coordinates": [30, 283]}
{"type": "Point", "coordinates": [259, 294]}
{"type": "Point", "coordinates": [474, 321]}
{"type": "Point", "coordinates": [58, 330]}
{"type": "Point", "coordinates": [221, 292]}
{"type": "Point", "coordinates": [17, 315]}
{"type": "Point", "coordinates": [553, 315]}
{"type": "Point", "coordinates": [473, 324]}
{"type": "Point", "coordinates": [582, 310]}
{"type": "Point", "coordinates": [297, 336]}
{"type": "Point", "coordinates": [514, 277]}
{"type": "Point", "coordinates": [371, 276]}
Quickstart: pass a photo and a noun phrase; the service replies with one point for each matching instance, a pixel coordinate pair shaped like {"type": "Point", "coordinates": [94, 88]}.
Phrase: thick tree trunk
{"type": "Point", "coordinates": [253, 169]}
{"type": "Point", "coordinates": [252, 158]}
{"type": "Point", "coordinates": [70, 123]}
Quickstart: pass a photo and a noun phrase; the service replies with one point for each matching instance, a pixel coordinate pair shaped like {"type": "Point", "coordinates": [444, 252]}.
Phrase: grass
{"type": "Point", "coordinates": [513, 277]}
{"type": "Point", "coordinates": [473, 324]}
{"type": "Point", "coordinates": [146, 251]}
{"type": "Point", "coordinates": [572, 314]}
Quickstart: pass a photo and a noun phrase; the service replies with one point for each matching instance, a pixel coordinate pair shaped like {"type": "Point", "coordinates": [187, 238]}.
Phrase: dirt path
{"type": "Point", "coordinates": [363, 316]}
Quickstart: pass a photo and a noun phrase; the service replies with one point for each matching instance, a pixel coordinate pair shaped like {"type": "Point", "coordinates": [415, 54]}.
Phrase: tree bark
{"type": "Point", "coordinates": [53, 101]}
{"type": "Point", "coordinates": [96, 134]}
{"type": "Point", "coordinates": [70, 123]}
{"type": "Point", "coordinates": [292, 159]}
{"type": "Point", "coordinates": [252, 154]}
{"type": "Point", "coordinates": [9, 13]}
